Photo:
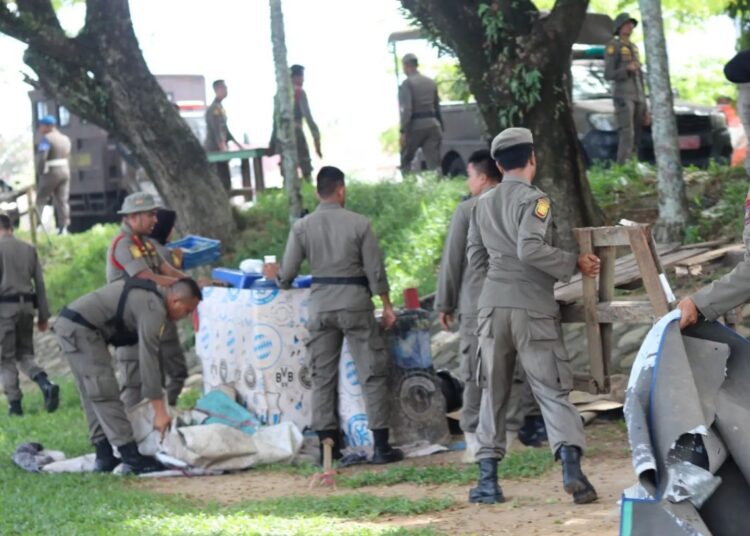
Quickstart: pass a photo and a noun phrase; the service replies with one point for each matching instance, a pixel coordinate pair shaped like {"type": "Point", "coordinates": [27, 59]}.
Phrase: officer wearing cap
{"type": "Point", "coordinates": [622, 66]}
{"type": "Point", "coordinates": [510, 239]}
{"type": "Point", "coordinates": [53, 170]}
{"type": "Point", "coordinates": [302, 114]}
{"type": "Point", "coordinates": [21, 291]}
{"type": "Point", "coordinates": [421, 121]}
{"type": "Point", "coordinates": [217, 131]}
{"type": "Point", "coordinates": [124, 312]}
{"type": "Point", "coordinates": [348, 269]}
{"type": "Point", "coordinates": [133, 254]}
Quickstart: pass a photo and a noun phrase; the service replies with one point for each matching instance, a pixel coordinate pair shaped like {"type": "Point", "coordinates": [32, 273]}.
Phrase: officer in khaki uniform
{"type": "Point", "coordinates": [127, 311]}
{"type": "Point", "coordinates": [53, 170]}
{"type": "Point", "coordinates": [622, 66]}
{"type": "Point", "coordinates": [133, 254]}
{"type": "Point", "coordinates": [724, 294]}
{"type": "Point", "coordinates": [421, 121]}
{"type": "Point", "coordinates": [347, 270]}
{"type": "Point", "coordinates": [510, 238]}
{"type": "Point", "coordinates": [217, 131]}
{"type": "Point", "coordinates": [21, 290]}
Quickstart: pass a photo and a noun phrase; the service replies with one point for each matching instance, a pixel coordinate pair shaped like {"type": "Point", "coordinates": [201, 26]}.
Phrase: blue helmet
{"type": "Point", "coordinates": [48, 120]}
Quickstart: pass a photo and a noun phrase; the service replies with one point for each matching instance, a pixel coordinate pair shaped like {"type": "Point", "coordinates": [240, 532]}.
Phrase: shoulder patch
{"type": "Point", "coordinates": [135, 251]}
{"type": "Point", "coordinates": [611, 49]}
{"type": "Point", "coordinates": [541, 209]}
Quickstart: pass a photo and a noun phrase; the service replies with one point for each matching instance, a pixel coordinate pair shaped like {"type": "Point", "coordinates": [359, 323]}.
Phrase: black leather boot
{"type": "Point", "coordinates": [15, 408]}
{"type": "Point", "coordinates": [574, 481]}
{"type": "Point", "coordinates": [50, 391]}
{"type": "Point", "coordinates": [533, 433]}
{"type": "Point", "coordinates": [105, 459]}
{"type": "Point", "coordinates": [137, 462]}
{"type": "Point", "coordinates": [487, 491]}
{"type": "Point", "coordinates": [383, 452]}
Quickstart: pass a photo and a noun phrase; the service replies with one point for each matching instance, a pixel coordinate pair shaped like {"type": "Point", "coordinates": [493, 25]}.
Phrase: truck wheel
{"type": "Point", "coordinates": [454, 167]}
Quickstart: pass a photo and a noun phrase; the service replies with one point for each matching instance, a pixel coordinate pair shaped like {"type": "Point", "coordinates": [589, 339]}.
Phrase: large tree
{"type": "Point", "coordinates": [517, 62]}
{"type": "Point", "coordinates": [100, 74]}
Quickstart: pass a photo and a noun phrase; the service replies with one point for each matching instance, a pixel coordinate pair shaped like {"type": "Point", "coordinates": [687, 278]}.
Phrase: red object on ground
{"type": "Point", "coordinates": [411, 298]}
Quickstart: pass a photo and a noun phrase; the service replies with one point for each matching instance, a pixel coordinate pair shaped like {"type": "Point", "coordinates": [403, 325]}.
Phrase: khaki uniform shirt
{"type": "Point", "coordinates": [510, 238]}
{"type": "Point", "coordinates": [419, 103]}
{"type": "Point", "coordinates": [53, 148]}
{"type": "Point", "coordinates": [21, 273]}
{"type": "Point", "coordinates": [217, 132]}
{"type": "Point", "coordinates": [302, 112]}
{"type": "Point", "coordinates": [145, 313]}
{"type": "Point", "coordinates": [733, 289]}
{"type": "Point", "coordinates": [134, 254]}
{"type": "Point", "coordinates": [338, 243]}
{"type": "Point", "coordinates": [459, 285]}
{"type": "Point", "coordinates": [625, 84]}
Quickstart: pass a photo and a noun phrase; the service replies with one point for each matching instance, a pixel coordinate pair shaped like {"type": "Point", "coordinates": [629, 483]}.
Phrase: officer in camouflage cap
{"type": "Point", "coordinates": [509, 239]}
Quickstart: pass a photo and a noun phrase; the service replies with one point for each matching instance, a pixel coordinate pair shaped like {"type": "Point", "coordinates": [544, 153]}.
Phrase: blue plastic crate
{"type": "Point", "coordinates": [236, 278]}
{"type": "Point", "coordinates": [197, 250]}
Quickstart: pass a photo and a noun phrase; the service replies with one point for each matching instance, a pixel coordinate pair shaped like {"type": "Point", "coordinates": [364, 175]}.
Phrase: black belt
{"type": "Point", "coordinates": [21, 297]}
{"type": "Point", "coordinates": [360, 280]}
{"type": "Point", "coordinates": [423, 115]}
{"type": "Point", "coordinates": [75, 316]}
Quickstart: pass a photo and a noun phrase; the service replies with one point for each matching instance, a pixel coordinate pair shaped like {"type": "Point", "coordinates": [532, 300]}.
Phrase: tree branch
{"type": "Point", "coordinates": [36, 24]}
{"type": "Point", "coordinates": [566, 19]}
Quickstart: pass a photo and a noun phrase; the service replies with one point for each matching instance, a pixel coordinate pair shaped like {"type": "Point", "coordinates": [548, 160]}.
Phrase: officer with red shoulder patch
{"type": "Point", "coordinates": [510, 238]}
{"type": "Point", "coordinates": [133, 254]}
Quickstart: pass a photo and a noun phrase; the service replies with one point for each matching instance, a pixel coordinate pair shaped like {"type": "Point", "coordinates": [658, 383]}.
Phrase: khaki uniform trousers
{"type": "Point", "coordinates": [521, 402]}
{"type": "Point", "coordinates": [55, 184]}
{"type": "Point", "coordinates": [371, 360]}
{"type": "Point", "coordinates": [536, 340]}
{"type": "Point", "coordinates": [17, 352]}
{"type": "Point", "coordinates": [429, 139]}
{"type": "Point", "coordinates": [629, 115]}
{"type": "Point", "coordinates": [173, 366]}
{"type": "Point", "coordinates": [91, 365]}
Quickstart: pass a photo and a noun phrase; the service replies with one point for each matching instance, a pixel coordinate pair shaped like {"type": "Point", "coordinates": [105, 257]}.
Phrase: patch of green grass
{"type": "Point", "coordinates": [76, 504]}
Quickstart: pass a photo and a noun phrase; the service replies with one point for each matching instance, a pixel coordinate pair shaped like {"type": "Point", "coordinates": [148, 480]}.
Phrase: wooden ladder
{"type": "Point", "coordinates": [599, 310]}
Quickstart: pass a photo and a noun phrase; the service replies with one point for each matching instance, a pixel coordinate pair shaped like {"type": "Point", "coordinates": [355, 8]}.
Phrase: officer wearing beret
{"type": "Point", "coordinates": [510, 239]}
{"type": "Point", "coordinates": [622, 65]}
{"type": "Point", "coordinates": [53, 170]}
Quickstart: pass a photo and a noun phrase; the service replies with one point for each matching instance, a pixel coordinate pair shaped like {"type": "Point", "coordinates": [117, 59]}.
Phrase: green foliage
{"type": "Point", "coordinates": [493, 22]}
{"type": "Point", "coordinates": [389, 140]}
{"type": "Point", "coordinates": [452, 83]}
{"type": "Point", "coordinates": [410, 219]}
{"type": "Point", "coordinates": [525, 86]}
{"type": "Point", "coordinates": [703, 82]}
{"type": "Point", "coordinates": [74, 264]}
{"type": "Point", "coordinates": [74, 504]}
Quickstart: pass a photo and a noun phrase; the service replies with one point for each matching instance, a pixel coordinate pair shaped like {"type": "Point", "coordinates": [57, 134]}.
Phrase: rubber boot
{"type": "Point", "coordinates": [105, 459]}
{"type": "Point", "coordinates": [383, 452]}
{"type": "Point", "coordinates": [336, 436]}
{"type": "Point", "coordinates": [574, 481]}
{"type": "Point", "coordinates": [15, 408]}
{"type": "Point", "coordinates": [137, 462]}
{"type": "Point", "coordinates": [487, 491]}
{"type": "Point", "coordinates": [50, 391]}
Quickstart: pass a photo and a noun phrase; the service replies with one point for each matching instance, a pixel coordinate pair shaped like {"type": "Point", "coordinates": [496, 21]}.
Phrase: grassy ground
{"type": "Point", "coordinates": [105, 504]}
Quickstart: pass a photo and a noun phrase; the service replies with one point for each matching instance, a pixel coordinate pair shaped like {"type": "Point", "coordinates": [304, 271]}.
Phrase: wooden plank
{"type": "Point", "coordinates": [710, 255]}
{"type": "Point", "coordinates": [245, 171]}
{"type": "Point", "coordinates": [624, 312]}
{"type": "Point", "coordinates": [593, 332]}
{"type": "Point", "coordinates": [608, 257]}
{"type": "Point", "coordinates": [639, 241]}
{"type": "Point", "coordinates": [711, 244]}
{"type": "Point", "coordinates": [610, 236]}
{"type": "Point", "coordinates": [584, 382]}
{"type": "Point", "coordinates": [260, 183]}
{"type": "Point", "coordinates": [225, 156]}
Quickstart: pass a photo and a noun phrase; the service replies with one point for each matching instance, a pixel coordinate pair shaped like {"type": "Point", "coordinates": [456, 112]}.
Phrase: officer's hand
{"type": "Point", "coordinates": [162, 422]}
{"type": "Point", "coordinates": [317, 149]}
{"type": "Point", "coordinates": [689, 312]}
{"type": "Point", "coordinates": [588, 264]}
{"type": "Point", "coordinates": [389, 318]}
{"type": "Point", "coordinates": [270, 270]}
{"type": "Point", "coordinates": [42, 325]}
{"type": "Point", "coordinates": [446, 319]}
{"type": "Point", "coordinates": [633, 66]}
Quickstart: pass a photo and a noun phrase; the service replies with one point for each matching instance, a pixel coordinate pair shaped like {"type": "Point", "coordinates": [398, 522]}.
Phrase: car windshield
{"type": "Point", "coordinates": [589, 82]}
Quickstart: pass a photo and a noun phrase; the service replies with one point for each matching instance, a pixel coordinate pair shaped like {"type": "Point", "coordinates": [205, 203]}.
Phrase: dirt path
{"type": "Point", "coordinates": [534, 506]}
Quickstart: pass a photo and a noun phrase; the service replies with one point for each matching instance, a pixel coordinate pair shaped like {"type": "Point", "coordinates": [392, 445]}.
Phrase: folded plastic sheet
{"type": "Point", "coordinates": [687, 409]}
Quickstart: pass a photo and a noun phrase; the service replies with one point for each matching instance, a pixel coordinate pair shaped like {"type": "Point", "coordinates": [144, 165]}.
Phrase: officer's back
{"type": "Point", "coordinates": [18, 262]}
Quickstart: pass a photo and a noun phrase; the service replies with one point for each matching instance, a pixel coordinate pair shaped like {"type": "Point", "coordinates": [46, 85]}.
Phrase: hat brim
{"type": "Point", "coordinates": [136, 211]}
{"type": "Point", "coordinates": [631, 19]}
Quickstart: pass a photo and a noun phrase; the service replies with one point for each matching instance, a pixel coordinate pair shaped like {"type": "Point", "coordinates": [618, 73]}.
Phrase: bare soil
{"type": "Point", "coordinates": [536, 506]}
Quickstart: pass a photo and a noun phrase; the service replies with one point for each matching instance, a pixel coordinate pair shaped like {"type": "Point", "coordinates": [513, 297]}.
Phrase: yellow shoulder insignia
{"type": "Point", "coordinates": [217, 111]}
{"type": "Point", "coordinates": [161, 330]}
{"type": "Point", "coordinates": [541, 210]}
{"type": "Point", "coordinates": [135, 252]}
{"type": "Point", "coordinates": [611, 49]}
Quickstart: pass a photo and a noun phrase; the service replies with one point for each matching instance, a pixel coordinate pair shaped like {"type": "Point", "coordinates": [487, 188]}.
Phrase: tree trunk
{"type": "Point", "coordinates": [101, 76]}
{"type": "Point", "coordinates": [517, 64]}
{"type": "Point", "coordinates": [284, 114]}
{"type": "Point", "coordinates": [673, 208]}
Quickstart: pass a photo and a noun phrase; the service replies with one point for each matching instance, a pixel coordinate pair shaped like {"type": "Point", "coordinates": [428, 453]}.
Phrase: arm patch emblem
{"type": "Point", "coordinates": [135, 251]}
{"type": "Point", "coordinates": [541, 210]}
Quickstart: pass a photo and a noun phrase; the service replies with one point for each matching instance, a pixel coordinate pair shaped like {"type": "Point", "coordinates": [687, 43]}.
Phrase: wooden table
{"type": "Point", "coordinates": [245, 155]}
